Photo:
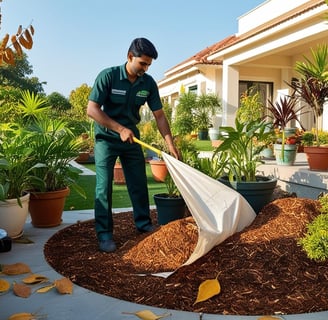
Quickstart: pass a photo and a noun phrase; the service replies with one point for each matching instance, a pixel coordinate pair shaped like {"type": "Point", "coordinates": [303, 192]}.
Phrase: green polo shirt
{"type": "Point", "coordinates": [120, 99]}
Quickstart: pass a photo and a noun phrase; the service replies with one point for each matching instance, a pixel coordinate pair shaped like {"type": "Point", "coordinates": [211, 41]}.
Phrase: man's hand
{"type": "Point", "coordinates": [174, 151]}
{"type": "Point", "coordinates": [126, 135]}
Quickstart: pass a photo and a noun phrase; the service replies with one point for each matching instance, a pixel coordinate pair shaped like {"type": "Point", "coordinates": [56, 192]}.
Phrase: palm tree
{"type": "Point", "coordinates": [312, 87]}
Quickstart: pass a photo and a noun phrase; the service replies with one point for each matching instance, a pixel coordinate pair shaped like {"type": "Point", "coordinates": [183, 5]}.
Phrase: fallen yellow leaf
{"type": "Point", "coordinates": [27, 316]}
{"type": "Point", "coordinates": [21, 290]}
{"type": "Point", "coordinates": [4, 285]}
{"type": "Point", "coordinates": [21, 316]}
{"type": "Point", "coordinates": [208, 289]}
{"type": "Point", "coordinates": [64, 286]}
{"type": "Point", "coordinates": [15, 269]}
{"type": "Point", "coordinates": [148, 315]}
{"type": "Point", "coordinates": [45, 288]}
{"type": "Point", "coordinates": [34, 278]}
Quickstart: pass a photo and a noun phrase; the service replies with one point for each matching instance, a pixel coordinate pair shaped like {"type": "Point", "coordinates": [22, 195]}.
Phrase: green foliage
{"type": "Point", "coordinates": [171, 188]}
{"type": "Point", "coordinates": [183, 122]}
{"type": "Point", "coordinates": [207, 105]}
{"type": "Point", "coordinates": [32, 105]}
{"type": "Point", "coordinates": [78, 98]}
{"type": "Point", "coordinates": [211, 166]}
{"type": "Point", "coordinates": [17, 76]}
{"type": "Point", "coordinates": [251, 107]}
{"type": "Point", "coordinates": [9, 98]}
{"type": "Point", "coordinates": [240, 151]}
{"type": "Point", "coordinates": [312, 87]}
{"type": "Point", "coordinates": [195, 112]}
{"type": "Point", "coordinates": [16, 163]}
{"type": "Point", "coordinates": [315, 242]}
{"type": "Point", "coordinates": [308, 138]}
{"type": "Point", "coordinates": [36, 153]}
{"type": "Point", "coordinates": [58, 102]}
{"type": "Point", "coordinates": [55, 147]}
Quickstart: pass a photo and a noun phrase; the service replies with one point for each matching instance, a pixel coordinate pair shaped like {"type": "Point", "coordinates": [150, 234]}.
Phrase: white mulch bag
{"type": "Point", "coordinates": [218, 210]}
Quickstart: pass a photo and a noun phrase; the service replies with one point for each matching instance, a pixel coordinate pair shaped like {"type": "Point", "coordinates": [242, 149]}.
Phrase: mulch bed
{"type": "Point", "coordinates": [262, 270]}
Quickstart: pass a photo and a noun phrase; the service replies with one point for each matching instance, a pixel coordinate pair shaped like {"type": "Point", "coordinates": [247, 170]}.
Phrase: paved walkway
{"type": "Point", "coordinates": [83, 304]}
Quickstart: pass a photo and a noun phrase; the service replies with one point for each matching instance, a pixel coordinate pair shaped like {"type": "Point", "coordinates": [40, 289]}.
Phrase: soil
{"type": "Point", "coordinates": [261, 270]}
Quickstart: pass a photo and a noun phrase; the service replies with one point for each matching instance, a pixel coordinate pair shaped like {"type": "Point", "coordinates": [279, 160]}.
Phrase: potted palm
{"type": "Point", "coordinates": [283, 111]}
{"type": "Point", "coordinates": [206, 106]}
{"type": "Point", "coordinates": [312, 87]}
{"type": "Point", "coordinates": [240, 155]}
{"type": "Point", "coordinates": [55, 147]}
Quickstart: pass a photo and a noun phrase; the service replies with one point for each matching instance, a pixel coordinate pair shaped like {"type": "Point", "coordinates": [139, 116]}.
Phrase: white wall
{"type": "Point", "coordinates": [259, 15]}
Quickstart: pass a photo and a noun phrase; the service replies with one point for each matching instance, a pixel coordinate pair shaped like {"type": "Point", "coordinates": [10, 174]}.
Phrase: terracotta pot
{"type": "Point", "coordinates": [13, 216]}
{"type": "Point", "coordinates": [46, 208]}
{"type": "Point", "coordinates": [158, 170]}
{"type": "Point", "coordinates": [317, 158]}
{"type": "Point", "coordinates": [83, 157]}
{"type": "Point", "coordinates": [119, 177]}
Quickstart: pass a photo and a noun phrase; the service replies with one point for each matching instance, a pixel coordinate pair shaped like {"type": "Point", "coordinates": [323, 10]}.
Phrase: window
{"type": "Point", "coordinates": [193, 89]}
{"type": "Point", "coordinates": [265, 89]}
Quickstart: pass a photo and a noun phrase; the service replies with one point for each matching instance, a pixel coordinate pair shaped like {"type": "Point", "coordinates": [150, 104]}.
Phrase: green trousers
{"type": "Point", "coordinates": [133, 163]}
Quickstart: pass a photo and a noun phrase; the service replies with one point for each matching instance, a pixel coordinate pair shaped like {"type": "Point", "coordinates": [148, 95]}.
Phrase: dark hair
{"type": "Point", "coordinates": [142, 46]}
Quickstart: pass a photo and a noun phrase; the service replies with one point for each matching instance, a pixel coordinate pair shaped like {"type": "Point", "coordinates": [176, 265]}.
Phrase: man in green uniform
{"type": "Point", "coordinates": [114, 103]}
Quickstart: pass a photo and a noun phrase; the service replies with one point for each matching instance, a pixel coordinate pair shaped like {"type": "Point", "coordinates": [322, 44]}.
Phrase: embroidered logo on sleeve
{"type": "Point", "coordinates": [142, 93]}
{"type": "Point", "coordinates": [119, 92]}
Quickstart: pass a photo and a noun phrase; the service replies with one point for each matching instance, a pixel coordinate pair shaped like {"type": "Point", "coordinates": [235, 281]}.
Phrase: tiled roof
{"type": "Point", "coordinates": [279, 20]}
{"type": "Point", "coordinates": [201, 57]}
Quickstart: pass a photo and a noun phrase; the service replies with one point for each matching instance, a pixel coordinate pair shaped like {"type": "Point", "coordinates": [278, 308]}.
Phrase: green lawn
{"type": "Point", "coordinates": [203, 145]}
{"type": "Point", "coordinates": [120, 195]}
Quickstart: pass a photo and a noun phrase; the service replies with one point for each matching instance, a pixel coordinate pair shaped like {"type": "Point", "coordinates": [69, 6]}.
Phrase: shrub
{"type": "Point", "coordinates": [315, 241]}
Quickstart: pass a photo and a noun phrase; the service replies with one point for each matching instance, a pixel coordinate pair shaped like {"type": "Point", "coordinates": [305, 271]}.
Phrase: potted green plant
{"type": "Point", "coordinates": [240, 155]}
{"type": "Point", "coordinates": [312, 88]}
{"type": "Point", "coordinates": [284, 111]}
{"type": "Point", "coordinates": [206, 106]}
{"type": "Point", "coordinates": [86, 148]}
{"type": "Point", "coordinates": [55, 147]}
{"type": "Point", "coordinates": [16, 178]}
{"type": "Point", "coordinates": [170, 205]}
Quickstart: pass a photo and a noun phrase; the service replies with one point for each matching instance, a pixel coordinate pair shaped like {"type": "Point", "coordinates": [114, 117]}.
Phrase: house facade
{"type": "Point", "coordinates": [270, 39]}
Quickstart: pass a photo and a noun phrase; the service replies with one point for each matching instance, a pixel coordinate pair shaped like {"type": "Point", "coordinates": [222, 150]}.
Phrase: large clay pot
{"type": "Point", "coordinates": [119, 177]}
{"type": "Point", "coordinates": [46, 208]}
{"type": "Point", "coordinates": [317, 158]}
{"type": "Point", "coordinates": [158, 170]}
{"type": "Point", "coordinates": [13, 216]}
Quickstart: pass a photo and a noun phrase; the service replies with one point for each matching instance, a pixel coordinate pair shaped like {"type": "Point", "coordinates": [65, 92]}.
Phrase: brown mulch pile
{"type": "Point", "coordinates": [261, 270]}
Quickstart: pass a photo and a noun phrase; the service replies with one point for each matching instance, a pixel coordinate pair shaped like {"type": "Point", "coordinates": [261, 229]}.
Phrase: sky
{"type": "Point", "coordinates": [74, 40]}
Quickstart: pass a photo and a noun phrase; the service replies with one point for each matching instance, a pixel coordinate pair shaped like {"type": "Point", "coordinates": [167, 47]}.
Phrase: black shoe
{"type": "Point", "coordinates": [147, 228]}
{"type": "Point", "coordinates": [107, 245]}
